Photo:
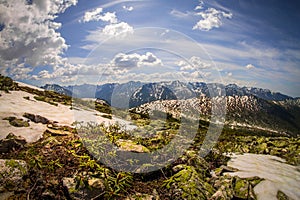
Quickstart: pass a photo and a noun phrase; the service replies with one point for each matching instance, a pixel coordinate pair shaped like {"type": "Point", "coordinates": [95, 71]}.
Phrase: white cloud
{"type": "Point", "coordinates": [179, 14]}
{"type": "Point", "coordinates": [70, 73]}
{"type": "Point", "coordinates": [118, 66]}
{"type": "Point", "coordinates": [250, 66]}
{"type": "Point", "coordinates": [194, 63]}
{"type": "Point", "coordinates": [92, 15]}
{"type": "Point", "coordinates": [109, 17]}
{"type": "Point", "coordinates": [30, 35]}
{"type": "Point", "coordinates": [96, 15]}
{"type": "Point", "coordinates": [128, 61]}
{"type": "Point", "coordinates": [164, 76]}
{"type": "Point", "coordinates": [20, 72]}
{"type": "Point", "coordinates": [200, 6]}
{"type": "Point", "coordinates": [116, 29]}
{"type": "Point", "coordinates": [211, 18]}
{"type": "Point", "coordinates": [128, 8]}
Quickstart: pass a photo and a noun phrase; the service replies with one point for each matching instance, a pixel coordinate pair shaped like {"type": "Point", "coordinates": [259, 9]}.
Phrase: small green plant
{"type": "Point", "coordinates": [117, 183]}
{"type": "Point", "coordinates": [53, 164]}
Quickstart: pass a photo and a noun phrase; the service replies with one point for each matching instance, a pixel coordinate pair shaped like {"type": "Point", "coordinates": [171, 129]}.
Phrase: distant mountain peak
{"type": "Point", "coordinates": [182, 90]}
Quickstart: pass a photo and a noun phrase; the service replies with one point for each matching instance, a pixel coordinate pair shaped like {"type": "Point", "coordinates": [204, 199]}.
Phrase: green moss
{"type": "Point", "coordinates": [281, 196]}
{"type": "Point", "coordinates": [17, 122]}
{"type": "Point", "coordinates": [188, 184]}
{"type": "Point", "coordinates": [39, 98]}
{"type": "Point", "coordinates": [7, 84]}
{"type": "Point", "coordinates": [13, 164]}
{"type": "Point", "coordinates": [46, 99]}
{"type": "Point", "coordinates": [103, 108]}
{"type": "Point", "coordinates": [27, 98]}
{"type": "Point", "coordinates": [243, 189]}
{"type": "Point", "coordinates": [107, 116]}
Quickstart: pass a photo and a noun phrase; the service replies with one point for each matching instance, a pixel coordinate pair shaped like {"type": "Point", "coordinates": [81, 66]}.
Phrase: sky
{"type": "Point", "coordinates": [250, 43]}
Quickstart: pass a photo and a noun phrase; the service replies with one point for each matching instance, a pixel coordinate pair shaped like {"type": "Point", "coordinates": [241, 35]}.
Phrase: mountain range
{"type": "Point", "coordinates": [252, 108]}
{"type": "Point", "coordinates": [167, 90]}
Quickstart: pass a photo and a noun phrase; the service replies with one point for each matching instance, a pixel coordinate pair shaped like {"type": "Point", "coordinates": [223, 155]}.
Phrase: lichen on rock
{"type": "Point", "coordinates": [128, 145]}
{"type": "Point", "coordinates": [188, 184]}
{"type": "Point", "coordinates": [16, 122]}
{"type": "Point", "coordinates": [11, 173]}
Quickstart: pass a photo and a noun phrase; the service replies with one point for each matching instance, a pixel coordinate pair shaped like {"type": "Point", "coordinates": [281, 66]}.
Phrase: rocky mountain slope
{"type": "Point", "coordinates": [57, 88]}
{"type": "Point", "coordinates": [64, 164]}
{"type": "Point", "coordinates": [245, 107]}
{"type": "Point", "coordinates": [241, 111]}
{"type": "Point", "coordinates": [182, 90]}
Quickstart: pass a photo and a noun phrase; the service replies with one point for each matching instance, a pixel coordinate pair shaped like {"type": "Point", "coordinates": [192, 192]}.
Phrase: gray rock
{"type": "Point", "coordinates": [12, 172]}
{"type": "Point", "coordinates": [282, 196]}
{"type": "Point", "coordinates": [128, 145]}
{"type": "Point", "coordinates": [79, 190]}
{"type": "Point", "coordinates": [11, 142]}
{"type": "Point", "coordinates": [36, 118]}
{"type": "Point", "coordinates": [243, 189]}
{"type": "Point", "coordinates": [17, 122]}
{"type": "Point", "coordinates": [188, 184]}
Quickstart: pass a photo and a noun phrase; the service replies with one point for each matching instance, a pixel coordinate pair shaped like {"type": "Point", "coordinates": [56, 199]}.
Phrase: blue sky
{"type": "Point", "coordinates": [251, 43]}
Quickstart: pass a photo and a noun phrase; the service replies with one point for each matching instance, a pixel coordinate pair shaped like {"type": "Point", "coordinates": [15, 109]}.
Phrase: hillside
{"type": "Point", "coordinates": [241, 112]}
{"type": "Point", "coordinates": [45, 155]}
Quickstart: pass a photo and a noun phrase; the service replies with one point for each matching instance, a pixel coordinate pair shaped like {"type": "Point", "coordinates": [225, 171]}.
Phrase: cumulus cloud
{"type": "Point", "coordinates": [70, 73]}
{"type": "Point", "coordinates": [112, 29]}
{"type": "Point", "coordinates": [29, 35]}
{"type": "Point", "coordinates": [250, 66]}
{"type": "Point", "coordinates": [128, 8]}
{"type": "Point", "coordinates": [20, 71]}
{"type": "Point", "coordinates": [211, 18]}
{"type": "Point", "coordinates": [194, 63]}
{"type": "Point", "coordinates": [128, 61]}
{"type": "Point", "coordinates": [117, 67]}
{"type": "Point", "coordinates": [99, 35]}
{"type": "Point", "coordinates": [116, 29]}
{"type": "Point", "coordinates": [96, 15]}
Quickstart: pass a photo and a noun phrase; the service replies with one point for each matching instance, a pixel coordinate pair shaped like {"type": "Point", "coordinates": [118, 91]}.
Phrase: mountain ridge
{"type": "Point", "coordinates": [182, 90]}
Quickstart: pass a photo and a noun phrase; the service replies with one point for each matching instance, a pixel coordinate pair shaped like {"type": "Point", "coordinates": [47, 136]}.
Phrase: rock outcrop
{"type": "Point", "coordinates": [11, 143]}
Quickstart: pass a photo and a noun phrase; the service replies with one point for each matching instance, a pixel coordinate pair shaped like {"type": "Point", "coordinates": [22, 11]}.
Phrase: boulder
{"type": "Point", "coordinates": [188, 184]}
{"type": "Point", "coordinates": [11, 174]}
{"type": "Point", "coordinates": [128, 145]}
{"type": "Point", "coordinates": [225, 190]}
{"type": "Point", "coordinates": [36, 118]}
{"type": "Point", "coordinates": [96, 183]}
{"type": "Point", "coordinates": [83, 187]}
{"type": "Point", "coordinates": [11, 143]}
{"type": "Point", "coordinates": [281, 196]}
{"type": "Point", "coordinates": [70, 185]}
{"type": "Point", "coordinates": [17, 122]}
{"type": "Point", "coordinates": [242, 189]}
{"type": "Point", "coordinates": [54, 132]}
